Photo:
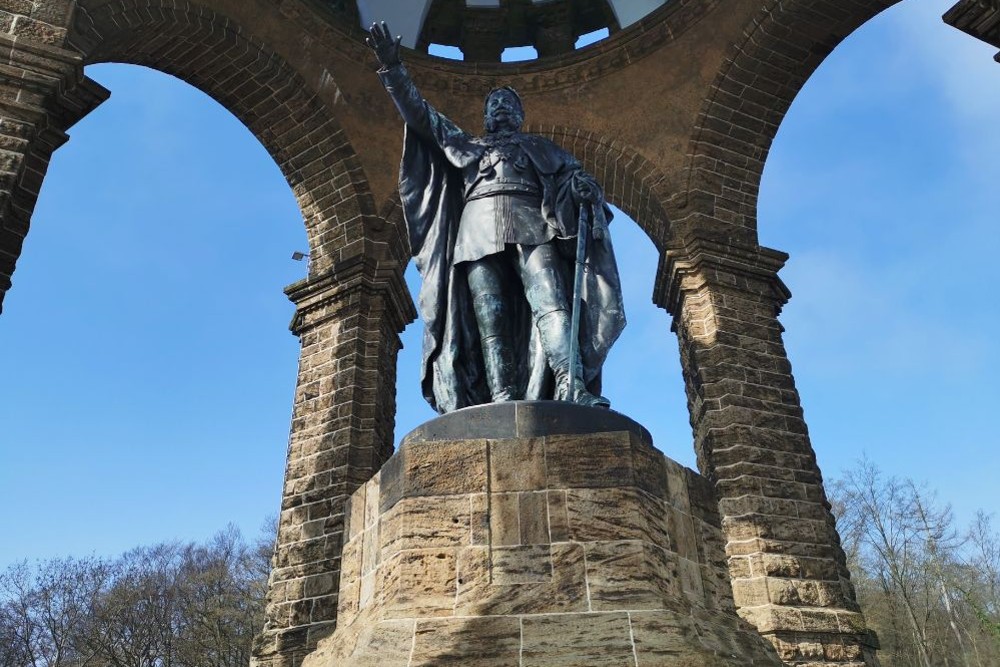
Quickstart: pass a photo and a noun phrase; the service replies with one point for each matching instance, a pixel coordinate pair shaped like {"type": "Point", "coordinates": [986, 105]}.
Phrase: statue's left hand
{"type": "Point", "coordinates": [586, 189]}
{"type": "Point", "coordinates": [381, 41]}
{"type": "Point", "coordinates": [587, 192]}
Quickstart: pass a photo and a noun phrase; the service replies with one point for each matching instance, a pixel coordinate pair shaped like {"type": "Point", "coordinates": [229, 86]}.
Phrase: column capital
{"type": "Point", "coordinates": [320, 297]}
{"type": "Point", "coordinates": [50, 83]}
{"type": "Point", "coordinates": [43, 92]}
{"type": "Point", "coordinates": [701, 261]}
{"type": "Point", "coordinates": [978, 19]}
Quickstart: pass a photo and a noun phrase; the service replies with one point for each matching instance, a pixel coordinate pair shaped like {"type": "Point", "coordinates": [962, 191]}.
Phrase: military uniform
{"type": "Point", "coordinates": [503, 204]}
{"type": "Point", "coordinates": [484, 216]}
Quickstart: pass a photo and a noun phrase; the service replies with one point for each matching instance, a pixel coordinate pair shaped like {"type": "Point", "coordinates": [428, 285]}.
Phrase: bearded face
{"type": "Point", "coordinates": [503, 112]}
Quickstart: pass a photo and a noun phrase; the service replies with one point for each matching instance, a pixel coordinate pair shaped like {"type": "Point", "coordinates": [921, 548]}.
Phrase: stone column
{"type": "Point", "coordinates": [348, 320]}
{"type": "Point", "coordinates": [554, 33]}
{"type": "Point", "coordinates": [43, 92]}
{"type": "Point", "coordinates": [482, 36]}
{"type": "Point", "coordinates": [788, 569]}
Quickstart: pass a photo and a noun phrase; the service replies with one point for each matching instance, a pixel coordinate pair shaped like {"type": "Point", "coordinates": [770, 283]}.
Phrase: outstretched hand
{"type": "Point", "coordinates": [385, 46]}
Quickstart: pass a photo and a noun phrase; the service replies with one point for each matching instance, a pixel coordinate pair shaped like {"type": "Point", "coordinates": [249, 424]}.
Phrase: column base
{"type": "Point", "coordinates": [816, 635]}
{"type": "Point", "coordinates": [555, 549]}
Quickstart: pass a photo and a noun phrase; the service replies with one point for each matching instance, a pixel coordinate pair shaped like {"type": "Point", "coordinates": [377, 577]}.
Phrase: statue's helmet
{"type": "Point", "coordinates": [503, 99]}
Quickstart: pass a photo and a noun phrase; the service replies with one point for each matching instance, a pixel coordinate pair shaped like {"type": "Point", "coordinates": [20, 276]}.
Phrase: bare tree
{"type": "Point", "coordinates": [929, 590]}
{"type": "Point", "coordinates": [877, 515]}
{"type": "Point", "coordinates": [169, 605]}
{"type": "Point", "coordinates": [43, 607]}
{"type": "Point", "coordinates": [940, 543]}
{"type": "Point", "coordinates": [220, 601]}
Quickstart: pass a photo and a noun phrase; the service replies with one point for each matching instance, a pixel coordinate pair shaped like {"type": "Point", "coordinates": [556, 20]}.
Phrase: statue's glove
{"type": "Point", "coordinates": [586, 192]}
{"type": "Point", "coordinates": [386, 48]}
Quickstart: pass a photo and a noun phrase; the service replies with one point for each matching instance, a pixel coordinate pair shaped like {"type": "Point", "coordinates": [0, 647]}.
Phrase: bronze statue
{"type": "Point", "coordinates": [494, 224]}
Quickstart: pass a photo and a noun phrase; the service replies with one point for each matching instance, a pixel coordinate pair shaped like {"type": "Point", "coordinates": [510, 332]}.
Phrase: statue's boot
{"type": "Point", "coordinates": [498, 354]}
{"type": "Point", "coordinates": [555, 329]}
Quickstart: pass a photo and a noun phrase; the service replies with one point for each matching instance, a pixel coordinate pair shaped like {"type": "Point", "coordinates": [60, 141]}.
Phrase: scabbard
{"type": "Point", "coordinates": [582, 233]}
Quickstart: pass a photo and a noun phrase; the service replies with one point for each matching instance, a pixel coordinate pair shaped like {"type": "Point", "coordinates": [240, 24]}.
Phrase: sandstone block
{"type": "Point", "coordinates": [477, 642]}
{"type": "Point", "coordinates": [595, 640]}
{"type": "Point", "coordinates": [421, 523]}
{"type": "Point", "coordinates": [426, 584]}
{"type": "Point", "coordinates": [661, 636]}
{"type": "Point", "coordinates": [681, 527]}
{"type": "Point", "coordinates": [558, 516]}
{"type": "Point", "coordinates": [606, 514]}
{"type": "Point", "coordinates": [543, 564]}
{"type": "Point", "coordinates": [630, 575]}
{"type": "Point", "coordinates": [521, 591]}
{"type": "Point", "coordinates": [527, 564]}
{"type": "Point", "coordinates": [691, 581]}
{"type": "Point", "coordinates": [597, 461]}
{"type": "Point", "coordinates": [381, 644]}
{"type": "Point", "coordinates": [517, 465]}
{"type": "Point", "coordinates": [533, 517]}
{"type": "Point", "coordinates": [434, 468]}
{"type": "Point", "coordinates": [479, 508]}
{"type": "Point", "coordinates": [505, 519]}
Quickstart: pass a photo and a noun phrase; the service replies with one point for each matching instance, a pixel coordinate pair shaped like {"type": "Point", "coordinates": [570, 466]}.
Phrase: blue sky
{"type": "Point", "coordinates": [149, 372]}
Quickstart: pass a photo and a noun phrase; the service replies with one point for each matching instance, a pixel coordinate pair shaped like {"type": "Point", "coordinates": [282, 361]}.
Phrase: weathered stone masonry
{"type": "Point", "coordinates": [788, 571]}
{"type": "Point", "coordinates": [348, 322]}
{"type": "Point", "coordinates": [43, 92]}
{"type": "Point", "coordinates": [707, 83]}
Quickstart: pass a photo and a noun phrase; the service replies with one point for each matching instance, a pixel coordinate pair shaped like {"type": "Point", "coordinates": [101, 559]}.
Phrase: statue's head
{"type": "Point", "coordinates": [504, 110]}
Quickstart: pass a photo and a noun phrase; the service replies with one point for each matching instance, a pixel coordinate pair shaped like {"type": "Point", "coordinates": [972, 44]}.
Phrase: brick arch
{"type": "Point", "coordinates": [630, 181]}
{"type": "Point", "coordinates": [568, 70]}
{"type": "Point", "coordinates": [226, 61]}
{"type": "Point", "coordinates": [349, 310]}
{"type": "Point", "coordinates": [764, 71]}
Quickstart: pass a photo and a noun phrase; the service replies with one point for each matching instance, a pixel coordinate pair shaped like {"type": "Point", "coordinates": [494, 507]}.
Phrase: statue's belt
{"type": "Point", "coordinates": [494, 188]}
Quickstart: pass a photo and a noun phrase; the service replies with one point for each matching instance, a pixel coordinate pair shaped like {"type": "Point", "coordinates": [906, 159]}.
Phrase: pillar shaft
{"type": "Point", "coordinates": [349, 322]}
{"type": "Point", "coordinates": [482, 37]}
{"type": "Point", "coordinates": [789, 572]}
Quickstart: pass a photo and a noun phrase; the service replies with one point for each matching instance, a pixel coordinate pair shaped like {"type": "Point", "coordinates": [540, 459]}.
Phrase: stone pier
{"type": "Point", "coordinates": [533, 544]}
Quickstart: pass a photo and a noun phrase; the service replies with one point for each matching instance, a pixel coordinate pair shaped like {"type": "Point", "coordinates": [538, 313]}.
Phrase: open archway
{"type": "Point", "coordinates": [763, 72]}
{"type": "Point", "coordinates": [148, 318]}
{"type": "Point", "coordinates": [215, 54]}
{"type": "Point", "coordinates": [879, 186]}
{"type": "Point", "coordinates": [350, 307]}
{"type": "Point", "coordinates": [719, 284]}
{"type": "Point", "coordinates": [749, 429]}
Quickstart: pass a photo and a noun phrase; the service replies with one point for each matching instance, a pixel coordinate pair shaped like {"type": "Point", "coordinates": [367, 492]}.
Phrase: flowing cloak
{"type": "Point", "coordinates": [431, 188]}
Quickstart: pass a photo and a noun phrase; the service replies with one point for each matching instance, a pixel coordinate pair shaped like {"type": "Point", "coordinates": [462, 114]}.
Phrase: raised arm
{"type": "Point", "coordinates": [416, 112]}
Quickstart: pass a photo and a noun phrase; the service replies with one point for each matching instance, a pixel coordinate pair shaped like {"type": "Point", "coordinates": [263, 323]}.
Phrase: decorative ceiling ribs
{"type": "Point", "coordinates": [484, 32]}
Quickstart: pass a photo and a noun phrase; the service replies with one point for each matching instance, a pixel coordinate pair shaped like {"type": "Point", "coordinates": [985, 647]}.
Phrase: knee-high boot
{"type": "Point", "coordinates": [555, 329]}
{"type": "Point", "coordinates": [498, 357]}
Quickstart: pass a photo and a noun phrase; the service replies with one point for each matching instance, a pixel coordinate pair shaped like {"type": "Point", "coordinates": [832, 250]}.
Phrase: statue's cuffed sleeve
{"type": "Point", "coordinates": [414, 109]}
{"type": "Point", "coordinates": [423, 118]}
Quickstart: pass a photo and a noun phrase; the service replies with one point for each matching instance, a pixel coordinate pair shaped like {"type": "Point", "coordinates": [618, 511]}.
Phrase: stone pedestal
{"type": "Point", "coordinates": [536, 549]}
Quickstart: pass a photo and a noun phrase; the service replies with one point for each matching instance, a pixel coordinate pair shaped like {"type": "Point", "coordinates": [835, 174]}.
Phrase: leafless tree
{"type": "Point", "coordinates": [169, 605]}
{"type": "Point", "coordinates": [928, 589]}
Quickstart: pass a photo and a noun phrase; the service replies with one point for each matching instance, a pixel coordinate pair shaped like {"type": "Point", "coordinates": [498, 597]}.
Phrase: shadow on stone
{"type": "Point", "coordinates": [535, 544]}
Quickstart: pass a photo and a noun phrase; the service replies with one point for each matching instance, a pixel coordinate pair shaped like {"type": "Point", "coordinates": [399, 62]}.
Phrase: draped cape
{"type": "Point", "coordinates": [431, 188]}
